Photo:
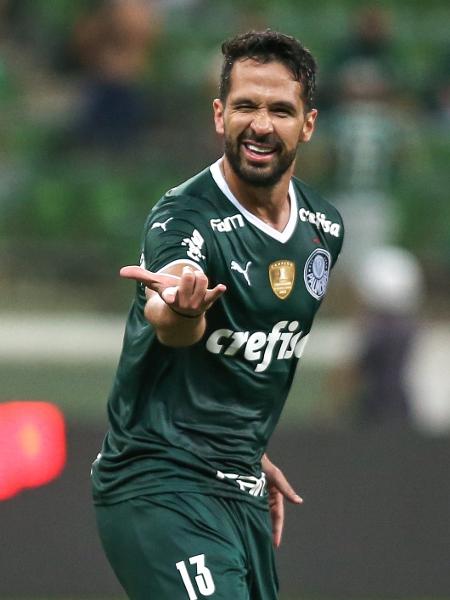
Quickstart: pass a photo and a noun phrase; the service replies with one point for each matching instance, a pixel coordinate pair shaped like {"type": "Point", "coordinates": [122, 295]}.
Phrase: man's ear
{"type": "Point", "coordinates": [218, 109]}
{"type": "Point", "coordinates": [308, 125]}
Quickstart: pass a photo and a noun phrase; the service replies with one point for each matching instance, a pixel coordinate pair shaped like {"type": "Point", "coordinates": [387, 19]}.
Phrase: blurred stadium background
{"type": "Point", "coordinates": [104, 106]}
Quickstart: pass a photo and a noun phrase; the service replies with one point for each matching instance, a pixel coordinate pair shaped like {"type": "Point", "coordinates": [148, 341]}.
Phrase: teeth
{"type": "Point", "coordinates": [258, 149]}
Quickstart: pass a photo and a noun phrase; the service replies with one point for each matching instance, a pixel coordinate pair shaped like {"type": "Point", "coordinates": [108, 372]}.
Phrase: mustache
{"type": "Point", "coordinates": [270, 139]}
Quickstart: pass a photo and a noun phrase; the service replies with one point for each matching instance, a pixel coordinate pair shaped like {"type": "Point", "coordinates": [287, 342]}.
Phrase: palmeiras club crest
{"type": "Point", "coordinates": [316, 273]}
{"type": "Point", "coordinates": [282, 277]}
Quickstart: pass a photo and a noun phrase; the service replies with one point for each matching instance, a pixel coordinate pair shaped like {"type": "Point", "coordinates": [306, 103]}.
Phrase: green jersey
{"type": "Point", "coordinates": [198, 419]}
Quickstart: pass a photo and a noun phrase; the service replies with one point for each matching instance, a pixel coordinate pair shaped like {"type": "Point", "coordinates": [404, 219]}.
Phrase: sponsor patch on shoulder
{"type": "Point", "coordinates": [194, 245]}
{"type": "Point", "coordinates": [316, 273]}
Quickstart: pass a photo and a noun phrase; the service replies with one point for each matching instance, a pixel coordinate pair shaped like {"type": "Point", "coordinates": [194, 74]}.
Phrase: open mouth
{"type": "Point", "coordinates": [258, 152]}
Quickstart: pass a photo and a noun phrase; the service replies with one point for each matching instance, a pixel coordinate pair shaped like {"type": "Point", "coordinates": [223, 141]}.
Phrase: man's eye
{"type": "Point", "coordinates": [281, 112]}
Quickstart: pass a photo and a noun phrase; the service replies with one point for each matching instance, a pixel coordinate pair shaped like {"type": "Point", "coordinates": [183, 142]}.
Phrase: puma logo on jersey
{"type": "Point", "coordinates": [282, 343]}
{"type": "Point", "coordinates": [163, 225]}
{"type": "Point", "coordinates": [320, 221]}
{"type": "Point", "coordinates": [227, 224]}
{"type": "Point", "coordinates": [237, 267]}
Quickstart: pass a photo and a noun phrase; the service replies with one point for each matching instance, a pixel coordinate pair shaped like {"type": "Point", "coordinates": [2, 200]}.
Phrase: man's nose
{"type": "Point", "coordinates": [262, 123]}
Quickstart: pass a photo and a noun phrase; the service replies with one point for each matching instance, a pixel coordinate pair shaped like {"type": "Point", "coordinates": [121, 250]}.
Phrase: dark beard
{"type": "Point", "coordinates": [258, 176]}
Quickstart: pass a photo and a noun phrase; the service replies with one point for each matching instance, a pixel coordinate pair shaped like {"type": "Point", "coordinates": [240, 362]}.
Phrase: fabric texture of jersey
{"type": "Point", "coordinates": [198, 419]}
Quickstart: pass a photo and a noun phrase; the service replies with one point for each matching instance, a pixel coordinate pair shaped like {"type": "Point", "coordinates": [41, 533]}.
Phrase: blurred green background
{"type": "Point", "coordinates": [73, 201]}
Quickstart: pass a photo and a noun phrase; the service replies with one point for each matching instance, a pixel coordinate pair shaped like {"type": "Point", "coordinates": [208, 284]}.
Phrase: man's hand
{"type": "Point", "coordinates": [279, 489]}
{"type": "Point", "coordinates": [188, 294]}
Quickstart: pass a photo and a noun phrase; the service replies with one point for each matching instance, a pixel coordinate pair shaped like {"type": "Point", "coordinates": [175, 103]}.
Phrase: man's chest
{"type": "Point", "coordinates": [267, 279]}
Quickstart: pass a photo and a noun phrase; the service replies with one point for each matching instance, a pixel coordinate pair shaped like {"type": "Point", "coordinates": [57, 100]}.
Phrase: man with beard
{"type": "Point", "coordinates": [235, 263]}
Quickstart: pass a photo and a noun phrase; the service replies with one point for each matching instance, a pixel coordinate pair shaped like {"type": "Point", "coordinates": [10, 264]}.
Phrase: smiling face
{"type": "Point", "coordinates": [262, 121]}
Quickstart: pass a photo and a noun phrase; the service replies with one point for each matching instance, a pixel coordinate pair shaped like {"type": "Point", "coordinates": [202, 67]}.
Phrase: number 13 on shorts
{"type": "Point", "coordinates": [203, 580]}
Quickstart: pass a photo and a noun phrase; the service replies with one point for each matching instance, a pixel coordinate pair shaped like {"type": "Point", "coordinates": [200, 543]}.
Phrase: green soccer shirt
{"type": "Point", "coordinates": [199, 418]}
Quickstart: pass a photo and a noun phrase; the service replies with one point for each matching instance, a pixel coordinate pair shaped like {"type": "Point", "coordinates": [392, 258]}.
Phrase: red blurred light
{"type": "Point", "coordinates": [32, 445]}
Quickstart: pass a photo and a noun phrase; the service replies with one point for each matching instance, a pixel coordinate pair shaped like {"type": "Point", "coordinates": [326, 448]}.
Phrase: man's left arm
{"type": "Point", "coordinates": [279, 489]}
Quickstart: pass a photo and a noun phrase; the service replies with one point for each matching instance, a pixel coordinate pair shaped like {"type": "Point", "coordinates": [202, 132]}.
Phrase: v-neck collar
{"type": "Point", "coordinates": [281, 236]}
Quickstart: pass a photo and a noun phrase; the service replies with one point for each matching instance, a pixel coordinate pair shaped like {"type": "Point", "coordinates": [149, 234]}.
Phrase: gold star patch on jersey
{"type": "Point", "coordinates": [282, 277]}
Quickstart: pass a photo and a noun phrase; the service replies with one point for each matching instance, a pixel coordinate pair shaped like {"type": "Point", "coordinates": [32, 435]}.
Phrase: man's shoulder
{"type": "Point", "coordinates": [197, 188]}
{"type": "Point", "coordinates": [186, 206]}
{"type": "Point", "coordinates": [315, 203]}
{"type": "Point", "coordinates": [193, 199]}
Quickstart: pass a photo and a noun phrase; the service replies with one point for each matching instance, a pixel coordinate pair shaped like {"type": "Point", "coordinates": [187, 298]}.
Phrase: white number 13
{"type": "Point", "coordinates": [203, 579]}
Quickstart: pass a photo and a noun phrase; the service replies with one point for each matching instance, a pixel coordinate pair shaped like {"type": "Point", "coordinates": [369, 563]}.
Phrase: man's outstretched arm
{"type": "Point", "coordinates": [177, 300]}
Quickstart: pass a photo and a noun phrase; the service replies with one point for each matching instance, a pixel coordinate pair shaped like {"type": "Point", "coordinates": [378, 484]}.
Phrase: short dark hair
{"type": "Point", "coordinates": [270, 46]}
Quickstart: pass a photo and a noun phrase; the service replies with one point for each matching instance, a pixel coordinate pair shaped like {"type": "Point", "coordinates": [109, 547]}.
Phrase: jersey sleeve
{"type": "Point", "coordinates": [172, 236]}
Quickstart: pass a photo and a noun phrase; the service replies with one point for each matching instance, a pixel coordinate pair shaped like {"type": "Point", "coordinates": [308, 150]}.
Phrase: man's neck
{"type": "Point", "coordinates": [270, 204]}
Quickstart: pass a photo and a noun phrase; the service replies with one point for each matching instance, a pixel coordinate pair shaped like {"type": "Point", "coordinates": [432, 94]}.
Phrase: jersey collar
{"type": "Point", "coordinates": [281, 236]}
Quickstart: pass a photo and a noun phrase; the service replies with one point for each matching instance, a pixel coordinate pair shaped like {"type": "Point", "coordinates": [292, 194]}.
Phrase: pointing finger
{"type": "Point", "coordinates": [154, 281]}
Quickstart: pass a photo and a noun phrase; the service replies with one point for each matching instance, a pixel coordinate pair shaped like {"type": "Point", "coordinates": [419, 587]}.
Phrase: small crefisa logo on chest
{"type": "Point", "coordinates": [316, 273]}
{"type": "Point", "coordinates": [320, 221]}
{"type": "Point", "coordinates": [282, 277]}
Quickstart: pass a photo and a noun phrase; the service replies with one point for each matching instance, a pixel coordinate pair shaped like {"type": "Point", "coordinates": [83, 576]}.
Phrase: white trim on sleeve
{"type": "Point", "coordinates": [180, 261]}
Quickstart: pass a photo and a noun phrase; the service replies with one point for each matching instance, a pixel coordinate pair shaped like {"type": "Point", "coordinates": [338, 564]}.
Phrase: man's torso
{"type": "Point", "coordinates": [199, 418]}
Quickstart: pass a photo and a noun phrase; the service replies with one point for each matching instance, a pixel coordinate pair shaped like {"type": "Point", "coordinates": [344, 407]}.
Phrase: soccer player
{"type": "Point", "coordinates": [235, 263]}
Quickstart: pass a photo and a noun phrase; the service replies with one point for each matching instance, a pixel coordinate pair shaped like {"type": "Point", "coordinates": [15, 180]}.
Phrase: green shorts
{"type": "Point", "coordinates": [187, 546]}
